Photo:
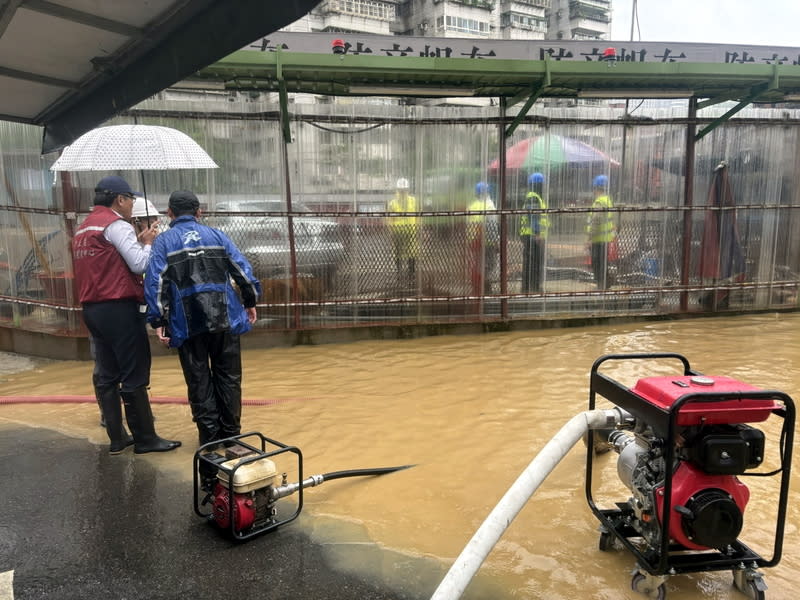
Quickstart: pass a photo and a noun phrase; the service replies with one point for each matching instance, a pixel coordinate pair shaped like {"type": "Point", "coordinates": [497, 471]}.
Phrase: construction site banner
{"type": "Point", "coordinates": [478, 48]}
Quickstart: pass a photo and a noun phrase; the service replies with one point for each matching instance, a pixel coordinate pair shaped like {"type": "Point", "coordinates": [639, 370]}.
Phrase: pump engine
{"type": "Point", "coordinates": [683, 452]}
{"type": "Point", "coordinates": [251, 494]}
{"type": "Point", "coordinates": [708, 499]}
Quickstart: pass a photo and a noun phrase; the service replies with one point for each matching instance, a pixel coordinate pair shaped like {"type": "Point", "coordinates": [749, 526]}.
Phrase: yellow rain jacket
{"type": "Point", "coordinates": [404, 229]}
{"type": "Point", "coordinates": [534, 224]}
{"type": "Point", "coordinates": [600, 226]}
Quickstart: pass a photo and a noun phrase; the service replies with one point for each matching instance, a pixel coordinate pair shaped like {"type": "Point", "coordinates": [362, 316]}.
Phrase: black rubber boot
{"type": "Point", "coordinates": [140, 420]}
{"type": "Point", "coordinates": [103, 416]}
{"type": "Point", "coordinates": [109, 401]}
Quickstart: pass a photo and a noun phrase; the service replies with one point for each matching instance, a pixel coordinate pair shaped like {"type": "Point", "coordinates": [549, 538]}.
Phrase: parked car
{"type": "Point", "coordinates": [264, 240]}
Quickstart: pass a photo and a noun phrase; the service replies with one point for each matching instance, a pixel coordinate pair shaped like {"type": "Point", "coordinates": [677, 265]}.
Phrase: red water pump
{"type": "Point", "coordinates": [238, 478]}
{"type": "Point", "coordinates": [684, 448]}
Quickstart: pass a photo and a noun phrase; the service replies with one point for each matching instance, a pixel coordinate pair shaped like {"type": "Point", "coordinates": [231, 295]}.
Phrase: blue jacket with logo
{"type": "Point", "coordinates": [188, 285]}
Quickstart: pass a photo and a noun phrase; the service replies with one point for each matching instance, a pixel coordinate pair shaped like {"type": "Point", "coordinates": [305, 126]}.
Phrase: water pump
{"type": "Point", "coordinates": [683, 454]}
{"type": "Point", "coordinates": [237, 483]}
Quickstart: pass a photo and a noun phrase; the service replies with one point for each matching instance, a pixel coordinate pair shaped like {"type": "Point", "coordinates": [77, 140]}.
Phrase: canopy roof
{"type": "Point", "coordinates": [71, 64]}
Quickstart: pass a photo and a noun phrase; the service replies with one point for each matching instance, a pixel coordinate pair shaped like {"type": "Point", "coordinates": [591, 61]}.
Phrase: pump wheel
{"type": "Point", "coordinates": [606, 543]}
{"type": "Point", "coordinates": [638, 585]}
{"type": "Point", "coordinates": [750, 582]}
{"type": "Point", "coordinates": [752, 592]}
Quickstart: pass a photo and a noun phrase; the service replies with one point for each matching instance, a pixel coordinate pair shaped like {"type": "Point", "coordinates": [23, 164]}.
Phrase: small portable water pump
{"type": "Point", "coordinates": [683, 450]}
{"type": "Point", "coordinates": [238, 478]}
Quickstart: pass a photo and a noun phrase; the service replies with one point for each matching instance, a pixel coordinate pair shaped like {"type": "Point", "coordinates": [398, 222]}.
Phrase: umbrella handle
{"type": "Point", "coordinates": [144, 193]}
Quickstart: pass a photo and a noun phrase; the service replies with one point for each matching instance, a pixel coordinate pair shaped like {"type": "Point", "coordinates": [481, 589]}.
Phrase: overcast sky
{"type": "Point", "coordinates": [767, 23]}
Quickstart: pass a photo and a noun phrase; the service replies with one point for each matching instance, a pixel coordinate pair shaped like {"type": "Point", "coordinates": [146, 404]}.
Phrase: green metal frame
{"type": "Point", "coordinates": [331, 74]}
{"type": "Point", "coordinates": [513, 79]}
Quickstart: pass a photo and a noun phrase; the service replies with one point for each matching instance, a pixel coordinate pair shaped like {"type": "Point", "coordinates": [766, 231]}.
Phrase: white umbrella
{"type": "Point", "coordinates": [133, 147]}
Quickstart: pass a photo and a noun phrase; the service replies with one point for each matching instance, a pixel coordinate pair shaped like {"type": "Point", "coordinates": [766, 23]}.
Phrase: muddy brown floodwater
{"type": "Point", "coordinates": [470, 412]}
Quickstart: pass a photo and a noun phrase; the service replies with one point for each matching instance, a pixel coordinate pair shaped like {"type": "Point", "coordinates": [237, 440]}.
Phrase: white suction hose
{"type": "Point", "coordinates": [478, 548]}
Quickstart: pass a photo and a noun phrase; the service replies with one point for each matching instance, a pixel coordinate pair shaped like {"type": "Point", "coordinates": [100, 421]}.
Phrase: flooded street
{"type": "Point", "coordinates": [470, 412]}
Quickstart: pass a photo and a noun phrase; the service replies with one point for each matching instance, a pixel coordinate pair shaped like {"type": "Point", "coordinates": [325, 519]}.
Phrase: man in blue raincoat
{"type": "Point", "coordinates": [194, 307]}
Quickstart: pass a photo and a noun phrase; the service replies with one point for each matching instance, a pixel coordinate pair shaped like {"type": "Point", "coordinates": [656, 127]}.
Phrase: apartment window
{"type": "Point", "coordinates": [583, 36]}
{"type": "Point", "coordinates": [374, 9]}
{"type": "Point", "coordinates": [467, 25]}
{"type": "Point", "coordinates": [522, 21]}
{"type": "Point", "coordinates": [540, 3]}
{"type": "Point", "coordinates": [583, 10]}
{"type": "Point", "coordinates": [487, 4]}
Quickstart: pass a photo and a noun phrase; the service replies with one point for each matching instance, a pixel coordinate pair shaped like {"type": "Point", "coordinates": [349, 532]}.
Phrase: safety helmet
{"type": "Point", "coordinates": [142, 207]}
{"type": "Point", "coordinates": [535, 178]}
{"type": "Point", "coordinates": [481, 188]}
{"type": "Point", "coordinates": [402, 184]}
{"type": "Point", "coordinates": [600, 181]}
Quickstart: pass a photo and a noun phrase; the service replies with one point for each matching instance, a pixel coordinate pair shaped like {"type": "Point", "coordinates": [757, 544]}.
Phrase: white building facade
{"type": "Point", "coordinates": [501, 19]}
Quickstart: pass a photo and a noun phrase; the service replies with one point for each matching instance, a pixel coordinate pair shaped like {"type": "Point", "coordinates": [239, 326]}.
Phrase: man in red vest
{"type": "Point", "coordinates": [109, 259]}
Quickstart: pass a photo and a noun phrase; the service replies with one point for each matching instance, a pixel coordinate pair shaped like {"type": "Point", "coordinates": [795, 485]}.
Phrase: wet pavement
{"type": "Point", "coordinates": [79, 523]}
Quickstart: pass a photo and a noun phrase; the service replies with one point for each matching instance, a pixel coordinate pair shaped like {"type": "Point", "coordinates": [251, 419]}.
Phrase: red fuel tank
{"type": "Point", "coordinates": [663, 392]}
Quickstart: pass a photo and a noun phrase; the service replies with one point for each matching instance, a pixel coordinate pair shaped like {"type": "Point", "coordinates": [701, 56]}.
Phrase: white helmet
{"type": "Point", "coordinates": [142, 207]}
{"type": "Point", "coordinates": [402, 184]}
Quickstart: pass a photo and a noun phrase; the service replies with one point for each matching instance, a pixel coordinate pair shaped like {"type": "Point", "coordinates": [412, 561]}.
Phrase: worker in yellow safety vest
{"type": "Point", "coordinates": [600, 229]}
{"type": "Point", "coordinates": [533, 228]}
{"type": "Point", "coordinates": [483, 239]}
{"type": "Point", "coordinates": [404, 231]}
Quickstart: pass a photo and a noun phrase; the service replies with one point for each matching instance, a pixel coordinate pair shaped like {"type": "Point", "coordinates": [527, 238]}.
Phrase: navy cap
{"type": "Point", "coordinates": [183, 201]}
{"type": "Point", "coordinates": [116, 185]}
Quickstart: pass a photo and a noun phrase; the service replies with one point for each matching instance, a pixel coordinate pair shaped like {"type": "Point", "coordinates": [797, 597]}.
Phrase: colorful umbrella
{"type": "Point", "coordinates": [550, 151]}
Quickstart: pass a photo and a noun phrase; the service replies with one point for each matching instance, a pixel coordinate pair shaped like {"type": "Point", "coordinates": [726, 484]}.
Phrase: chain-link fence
{"type": "Point", "coordinates": [339, 241]}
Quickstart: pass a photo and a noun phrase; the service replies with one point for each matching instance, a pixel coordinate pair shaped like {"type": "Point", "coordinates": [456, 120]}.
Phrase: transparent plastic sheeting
{"type": "Point", "coordinates": [356, 261]}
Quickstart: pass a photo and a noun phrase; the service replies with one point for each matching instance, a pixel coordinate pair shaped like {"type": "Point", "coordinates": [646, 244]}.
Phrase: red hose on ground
{"type": "Point", "coordinates": [153, 400]}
